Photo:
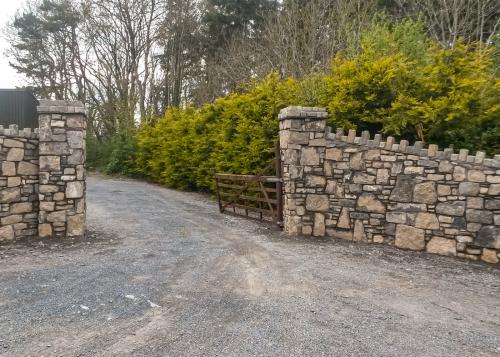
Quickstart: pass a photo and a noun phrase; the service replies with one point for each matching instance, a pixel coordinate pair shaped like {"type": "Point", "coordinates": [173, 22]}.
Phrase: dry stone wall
{"type": "Point", "coordinates": [42, 182]}
{"type": "Point", "coordinates": [18, 183]}
{"type": "Point", "coordinates": [366, 189]}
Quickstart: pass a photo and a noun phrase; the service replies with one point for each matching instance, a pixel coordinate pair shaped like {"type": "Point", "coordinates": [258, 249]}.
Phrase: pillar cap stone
{"type": "Point", "coordinates": [302, 113]}
{"type": "Point", "coordinates": [60, 107]}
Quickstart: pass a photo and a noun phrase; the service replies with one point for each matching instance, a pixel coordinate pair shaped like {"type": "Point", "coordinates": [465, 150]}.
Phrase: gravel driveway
{"type": "Point", "coordinates": [164, 274]}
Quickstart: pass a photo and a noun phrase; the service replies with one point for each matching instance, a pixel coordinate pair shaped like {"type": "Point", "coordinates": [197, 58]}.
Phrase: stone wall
{"type": "Point", "coordinates": [18, 183]}
{"type": "Point", "coordinates": [366, 189]}
{"type": "Point", "coordinates": [42, 182]}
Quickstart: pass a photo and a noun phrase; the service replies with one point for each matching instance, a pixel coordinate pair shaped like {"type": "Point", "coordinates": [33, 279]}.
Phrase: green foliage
{"type": "Point", "coordinates": [443, 96]}
{"type": "Point", "coordinates": [121, 158]}
{"type": "Point", "coordinates": [407, 38]}
{"type": "Point", "coordinates": [115, 156]}
{"type": "Point", "coordinates": [450, 99]}
{"type": "Point", "coordinates": [235, 134]}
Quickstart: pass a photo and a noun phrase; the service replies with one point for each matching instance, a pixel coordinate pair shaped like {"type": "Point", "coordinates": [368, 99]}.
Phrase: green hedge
{"type": "Point", "coordinates": [235, 134]}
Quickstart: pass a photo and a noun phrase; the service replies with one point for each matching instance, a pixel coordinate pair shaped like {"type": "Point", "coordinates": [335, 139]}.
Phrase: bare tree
{"type": "Point", "coordinates": [180, 53]}
{"type": "Point", "coordinates": [300, 39]}
{"type": "Point", "coordinates": [449, 20]}
{"type": "Point", "coordinates": [120, 35]}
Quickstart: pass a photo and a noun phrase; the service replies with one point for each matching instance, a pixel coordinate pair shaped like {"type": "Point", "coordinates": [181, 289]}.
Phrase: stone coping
{"type": "Point", "coordinates": [60, 107]}
{"type": "Point", "coordinates": [14, 131]}
{"type": "Point", "coordinates": [418, 148]}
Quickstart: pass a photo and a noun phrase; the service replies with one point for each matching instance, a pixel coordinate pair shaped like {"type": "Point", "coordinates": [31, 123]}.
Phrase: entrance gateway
{"type": "Point", "coordinates": [256, 197]}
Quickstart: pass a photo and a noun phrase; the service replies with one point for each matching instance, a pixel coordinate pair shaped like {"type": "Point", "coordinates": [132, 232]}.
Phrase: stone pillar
{"type": "Point", "coordinates": [302, 147]}
{"type": "Point", "coordinates": [62, 174]}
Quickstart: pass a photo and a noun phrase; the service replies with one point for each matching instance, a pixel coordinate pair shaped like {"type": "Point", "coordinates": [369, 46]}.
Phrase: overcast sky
{"type": "Point", "coordinates": [8, 77]}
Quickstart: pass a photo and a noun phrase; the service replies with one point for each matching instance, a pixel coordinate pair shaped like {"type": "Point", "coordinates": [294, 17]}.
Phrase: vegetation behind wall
{"type": "Point", "coordinates": [400, 83]}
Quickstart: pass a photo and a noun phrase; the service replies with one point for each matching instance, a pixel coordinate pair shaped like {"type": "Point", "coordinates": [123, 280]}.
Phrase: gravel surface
{"type": "Point", "coordinates": [164, 274]}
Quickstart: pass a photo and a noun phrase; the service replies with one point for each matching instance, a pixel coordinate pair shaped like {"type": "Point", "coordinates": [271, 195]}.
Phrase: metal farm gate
{"type": "Point", "coordinates": [253, 196]}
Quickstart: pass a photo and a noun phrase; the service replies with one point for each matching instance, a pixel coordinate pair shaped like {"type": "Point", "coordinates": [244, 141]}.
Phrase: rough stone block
{"type": "Point", "coordinates": [58, 196]}
{"type": "Point", "coordinates": [339, 233]}
{"type": "Point", "coordinates": [45, 230]}
{"type": "Point", "coordinates": [8, 168]}
{"type": "Point", "coordinates": [442, 246]}
{"type": "Point", "coordinates": [9, 195]}
{"type": "Point", "coordinates": [50, 163]}
{"type": "Point", "coordinates": [425, 193]}
{"type": "Point", "coordinates": [383, 176]}
{"type": "Point", "coordinates": [76, 158]}
{"type": "Point", "coordinates": [293, 225]}
{"type": "Point", "coordinates": [344, 219]}
{"type": "Point", "coordinates": [75, 189]}
{"type": "Point", "coordinates": [314, 181]}
{"type": "Point", "coordinates": [48, 188]}
{"type": "Point", "coordinates": [493, 178]}
{"type": "Point", "coordinates": [317, 203]}
{"type": "Point", "coordinates": [57, 123]}
{"type": "Point", "coordinates": [309, 156]}
{"type": "Point", "coordinates": [488, 237]}
{"type": "Point", "coordinates": [21, 207]}
{"type": "Point", "coordinates": [408, 237]}
{"type": "Point", "coordinates": [333, 154]}
{"type": "Point", "coordinates": [357, 162]}
{"type": "Point", "coordinates": [12, 219]}
{"type": "Point", "coordinates": [456, 208]}
{"type": "Point", "coordinates": [489, 256]}
{"type": "Point", "coordinates": [359, 231]}
{"type": "Point", "coordinates": [299, 138]}
{"type": "Point", "coordinates": [331, 187]}
{"type": "Point", "coordinates": [363, 178]}
{"type": "Point", "coordinates": [468, 188]}
{"type": "Point", "coordinates": [475, 202]}
{"type": "Point", "coordinates": [27, 168]}
{"type": "Point", "coordinates": [494, 190]}
{"type": "Point", "coordinates": [479, 216]}
{"type": "Point", "coordinates": [492, 204]}
{"type": "Point", "coordinates": [53, 148]}
{"type": "Point", "coordinates": [76, 225]}
{"type": "Point", "coordinates": [13, 181]}
{"type": "Point", "coordinates": [459, 173]}
{"type": "Point", "coordinates": [372, 155]}
{"type": "Point", "coordinates": [57, 216]}
{"type": "Point", "coordinates": [319, 225]}
{"type": "Point", "coordinates": [403, 191]}
{"type": "Point", "coordinates": [476, 176]}
{"type": "Point", "coordinates": [7, 233]}
{"type": "Point", "coordinates": [446, 167]}
{"type": "Point", "coordinates": [396, 217]}
{"type": "Point", "coordinates": [15, 154]}
{"type": "Point", "coordinates": [426, 221]}
{"type": "Point", "coordinates": [47, 206]}
{"type": "Point", "coordinates": [291, 156]}
{"type": "Point", "coordinates": [443, 190]}
{"type": "Point", "coordinates": [368, 202]}
{"type": "Point", "coordinates": [11, 143]}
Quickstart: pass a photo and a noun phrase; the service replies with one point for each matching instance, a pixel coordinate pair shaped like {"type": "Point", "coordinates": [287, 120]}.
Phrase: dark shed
{"type": "Point", "coordinates": [18, 106]}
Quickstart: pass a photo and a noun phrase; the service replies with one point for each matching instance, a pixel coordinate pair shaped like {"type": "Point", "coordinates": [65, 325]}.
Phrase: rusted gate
{"type": "Point", "coordinates": [253, 196]}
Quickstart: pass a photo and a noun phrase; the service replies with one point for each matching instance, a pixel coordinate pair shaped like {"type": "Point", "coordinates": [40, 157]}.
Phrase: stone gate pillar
{"type": "Point", "coordinates": [62, 175]}
{"type": "Point", "coordinates": [302, 147]}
